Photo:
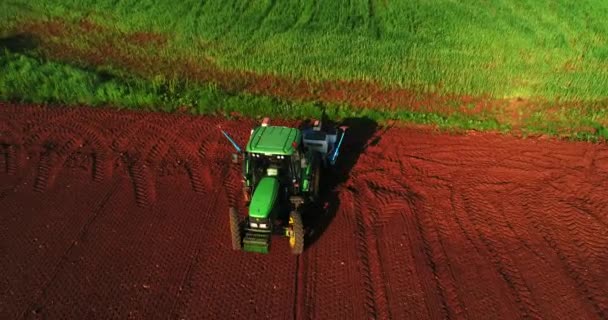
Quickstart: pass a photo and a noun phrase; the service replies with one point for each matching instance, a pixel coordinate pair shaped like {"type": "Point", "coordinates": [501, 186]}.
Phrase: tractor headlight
{"type": "Point", "coordinates": [253, 225]}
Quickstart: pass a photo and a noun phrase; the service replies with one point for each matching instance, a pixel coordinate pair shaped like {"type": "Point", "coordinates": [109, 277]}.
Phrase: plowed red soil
{"type": "Point", "coordinates": [108, 214]}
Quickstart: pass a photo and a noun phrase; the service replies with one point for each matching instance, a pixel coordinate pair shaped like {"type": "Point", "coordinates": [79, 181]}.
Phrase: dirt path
{"type": "Point", "coordinates": [120, 214]}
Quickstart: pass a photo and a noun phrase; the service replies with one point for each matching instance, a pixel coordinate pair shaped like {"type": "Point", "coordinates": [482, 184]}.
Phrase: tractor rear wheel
{"type": "Point", "coordinates": [235, 229]}
{"type": "Point", "coordinates": [316, 182]}
{"type": "Point", "coordinates": [316, 177]}
{"type": "Point", "coordinates": [296, 239]}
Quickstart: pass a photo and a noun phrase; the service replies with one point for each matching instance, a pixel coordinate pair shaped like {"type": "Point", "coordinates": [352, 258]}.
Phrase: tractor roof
{"type": "Point", "coordinates": [274, 140]}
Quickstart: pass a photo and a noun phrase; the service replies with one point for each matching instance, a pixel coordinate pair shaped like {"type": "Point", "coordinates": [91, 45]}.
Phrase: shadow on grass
{"type": "Point", "coordinates": [19, 43]}
{"type": "Point", "coordinates": [30, 45]}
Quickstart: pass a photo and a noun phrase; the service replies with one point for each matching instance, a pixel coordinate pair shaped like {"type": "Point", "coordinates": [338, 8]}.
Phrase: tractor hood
{"type": "Point", "coordinates": [264, 197]}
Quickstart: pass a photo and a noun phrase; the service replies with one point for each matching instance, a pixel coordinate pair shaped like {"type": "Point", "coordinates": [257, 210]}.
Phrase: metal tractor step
{"type": "Point", "coordinates": [257, 242]}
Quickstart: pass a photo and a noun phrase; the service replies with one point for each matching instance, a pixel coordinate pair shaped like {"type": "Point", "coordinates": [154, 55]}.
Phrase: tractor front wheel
{"type": "Point", "coordinates": [296, 238]}
{"type": "Point", "coordinates": [235, 229]}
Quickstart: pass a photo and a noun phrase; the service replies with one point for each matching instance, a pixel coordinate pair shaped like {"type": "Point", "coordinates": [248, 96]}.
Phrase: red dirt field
{"type": "Point", "coordinates": [114, 214]}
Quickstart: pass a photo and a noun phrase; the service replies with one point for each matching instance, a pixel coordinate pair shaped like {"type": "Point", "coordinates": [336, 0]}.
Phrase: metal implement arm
{"type": "Point", "coordinates": [334, 155]}
{"type": "Point", "coordinates": [236, 146]}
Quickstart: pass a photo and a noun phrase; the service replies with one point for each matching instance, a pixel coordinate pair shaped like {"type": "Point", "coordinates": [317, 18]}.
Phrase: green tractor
{"type": "Point", "coordinates": [281, 176]}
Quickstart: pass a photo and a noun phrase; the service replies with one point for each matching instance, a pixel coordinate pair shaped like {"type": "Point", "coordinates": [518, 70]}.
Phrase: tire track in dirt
{"type": "Point", "coordinates": [521, 250]}
{"type": "Point", "coordinates": [128, 137]}
{"type": "Point", "coordinates": [433, 247]}
{"type": "Point", "coordinates": [135, 254]}
{"type": "Point", "coordinates": [204, 151]}
{"type": "Point", "coordinates": [406, 294]}
{"type": "Point", "coordinates": [585, 205]}
{"type": "Point", "coordinates": [48, 146]}
{"type": "Point", "coordinates": [187, 274]}
{"type": "Point", "coordinates": [52, 162]}
{"type": "Point", "coordinates": [307, 310]}
{"type": "Point", "coordinates": [192, 162]}
{"type": "Point", "coordinates": [395, 198]}
{"type": "Point", "coordinates": [499, 304]}
{"type": "Point", "coordinates": [65, 124]}
{"type": "Point", "coordinates": [36, 230]}
{"type": "Point", "coordinates": [430, 261]}
{"type": "Point", "coordinates": [552, 210]}
{"type": "Point", "coordinates": [11, 141]}
{"type": "Point", "coordinates": [591, 237]}
{"type": "Point", "coordinates": [94, 136]}
{"type": "Point", "coordinates": [299, 291]}
{"type": "Point", "coordinates": [231, 182]}
{"type": "Point", "coordinates": [140, 168]}
{"type": "Point", "coordinates": [439, 221]}
{"type": "Point", "coordinates": [34, 306]}
{"type": "Point", "coordinates": [566, 257]}
{"type": "Point", "coordinates": [512, 227]}
{"type": "Point", "coordinates": [588, 250]}
{"type": "Point", "coordinates": [505, 265]}
{"type": "Point", "coordinates": [59, 135]}
{"type": "Point", "coordinates": [32, 117]}
{"type": "Point", "coordinates": [334, 286]}
{"type": "Point", "coordinates": [432, 230]}
{"type": "Point", "coordinates": [83, 127]}
{"type": "Point", "coordinates": [9, 159]}
{"type": "Point", "coordinates": [144, 165]}
{"type": "Point", "coordinates": [579, 203]}
{"type": "Point", "coordinates": [230, 178]}
{"type": "Point", "coordinates": [440, 262]}
{"type": "Point", "coordinates": [376, 302]}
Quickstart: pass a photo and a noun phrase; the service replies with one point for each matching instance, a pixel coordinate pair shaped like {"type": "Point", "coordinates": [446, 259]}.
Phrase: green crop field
{"type": "Point", "coordinates": [219, 55]}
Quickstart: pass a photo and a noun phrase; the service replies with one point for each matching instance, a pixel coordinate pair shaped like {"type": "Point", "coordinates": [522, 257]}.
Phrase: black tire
{"type": "Point", "coordinates": [315, 178]}
{"type": "Point", "coordinates": [316, 184]}
{"type": "Point", "coordinates": [235, 229]}
{"type": "Point", "coordinates": [298, 230]}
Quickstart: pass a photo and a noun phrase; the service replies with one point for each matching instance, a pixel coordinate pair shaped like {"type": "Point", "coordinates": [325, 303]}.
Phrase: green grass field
{"type": "Point", "coordinates": [542, 51]}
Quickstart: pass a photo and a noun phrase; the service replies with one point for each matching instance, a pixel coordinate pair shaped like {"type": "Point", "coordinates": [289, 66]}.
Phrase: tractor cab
{"type": "Point", "coordinates": [272, 152]}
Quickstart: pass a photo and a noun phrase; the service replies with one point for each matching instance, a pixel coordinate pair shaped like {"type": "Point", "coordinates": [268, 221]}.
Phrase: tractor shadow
{"type": "Point", "coordinates": [19, 43]}
{"type": "Point", "coordinates": [320, 215]}
{"type": "Point", "coordinates": [29, 45]}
